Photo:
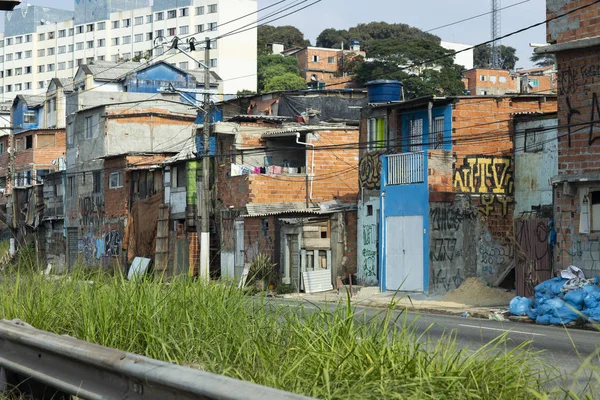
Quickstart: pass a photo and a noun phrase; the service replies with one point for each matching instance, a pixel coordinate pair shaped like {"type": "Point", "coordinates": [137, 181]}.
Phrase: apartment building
{"type": "Point", "coordinates": [42, 43]}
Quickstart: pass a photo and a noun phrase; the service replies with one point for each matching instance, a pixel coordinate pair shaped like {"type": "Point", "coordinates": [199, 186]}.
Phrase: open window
{"type": "Point", "coordinates": [376, 133]}
{"type": "Point", "coordinates": [29, 142]}
{"type": "Point", "coordinates": [285, 156]}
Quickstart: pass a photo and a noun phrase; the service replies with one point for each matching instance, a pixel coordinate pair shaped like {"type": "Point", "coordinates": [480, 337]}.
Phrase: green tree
{"type": "Point", "coordinates": [543, 60]}
{"type": "Point", "coordinates": [394, 59]}
{"type": "Point", "coordinates": [367, 34]}
{"type": "Point", "coordinates": [508, 57]}
{"type": "Point", "coordinates": [273, 65]}
{"type": "Point", "coordinates": [289, 36]}
{"type": "Point", "coordinates": [287, 81]}
{"type": "Point", "coordinates": [332, 38]}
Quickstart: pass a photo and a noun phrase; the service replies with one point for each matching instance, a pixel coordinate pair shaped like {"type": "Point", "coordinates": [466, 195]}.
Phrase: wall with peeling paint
{"type": "Point", "coordinates": [368, 241]}
{"type": "Point", "coordinates": [536, 161]}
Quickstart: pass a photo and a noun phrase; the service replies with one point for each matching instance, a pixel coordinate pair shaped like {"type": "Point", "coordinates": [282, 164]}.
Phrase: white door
{"type": "Point", "coordinates": [404, 253]}
{"type": "Point", "coordinates": [239, 249]}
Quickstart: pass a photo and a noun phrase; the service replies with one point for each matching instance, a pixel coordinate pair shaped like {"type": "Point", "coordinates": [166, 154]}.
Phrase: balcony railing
{"type": "Point", "coordinates": [406, 168]}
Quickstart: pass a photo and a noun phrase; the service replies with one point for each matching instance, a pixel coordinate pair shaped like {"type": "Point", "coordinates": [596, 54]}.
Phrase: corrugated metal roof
{"type": "Point", "coordinates": [110, 71]}
{"type": "Point", "coordinates": [33, 101]}
{"type": "Point", "coordinates": [187, 152]}
{"type": "Point", "coordinates": [259, 117]}
{"type": "Point", "coordinates": [268, 209]}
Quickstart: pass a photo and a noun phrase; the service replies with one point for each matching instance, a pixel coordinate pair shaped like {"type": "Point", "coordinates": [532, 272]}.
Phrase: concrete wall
{"type": "Point", "coordinates": [465, 58]}
{"type": "Point", "coordinates": [368, 241]}
{"type": "Point", "coordinates": [576, 25]}
{"type": "Point", "coordinates": [452, 237]}
{"type": "Point", "coordinates": [25, 19]}
{"type": "Point", "coordinates": [237, 53]}
{"type": "Point", "coordinates": [536, 162]}
{"type": "Point", "coordinates": [91, 11]}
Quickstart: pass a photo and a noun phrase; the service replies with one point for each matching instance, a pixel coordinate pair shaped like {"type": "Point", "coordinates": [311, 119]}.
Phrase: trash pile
{"type": "Point", "coordinates": [561, 300]}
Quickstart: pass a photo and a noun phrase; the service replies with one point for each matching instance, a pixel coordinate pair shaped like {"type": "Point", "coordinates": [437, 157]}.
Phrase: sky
{"type": "Point", "coordinates": [423, 14]}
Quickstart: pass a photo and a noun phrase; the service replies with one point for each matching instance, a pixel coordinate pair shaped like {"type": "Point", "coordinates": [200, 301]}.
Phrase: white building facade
{"type": "Point", "coordinates": [41, 43]}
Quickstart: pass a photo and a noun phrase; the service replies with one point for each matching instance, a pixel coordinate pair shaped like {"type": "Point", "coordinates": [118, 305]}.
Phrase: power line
{"type": "Point", "coordinates": [474, 17]}
{"type": "Point", "coordinates": [158, 56]}
{"type": "Point", "coordinates": [452, 54]}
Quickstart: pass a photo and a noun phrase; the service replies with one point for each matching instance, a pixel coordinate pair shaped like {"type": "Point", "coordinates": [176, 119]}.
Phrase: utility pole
{"type": "Point", "coordinates": [205, 219]}
{"type": "Point", "coordinates": [13, 178]}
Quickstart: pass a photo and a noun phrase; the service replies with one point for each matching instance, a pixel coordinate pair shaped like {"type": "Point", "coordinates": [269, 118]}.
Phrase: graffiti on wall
{"type": "Point", "coordinates": [447, 221]}
{"type": "Point", "coordinates": [491, 177]}
{"type": "Point", "coordinates": [369, 171]}
{"type": "Point", "coordinates": [571, 79]}
{"type": "Point", "coordinates": [368, 241]}
{"type": "Point", "coordinates": [446, 280]}
{"type": "Point", "coordinates": [112, 243]}
{"type": "Point", "coordinates": [492, 255]}
{"type": "Point", "coordinates": [448, 218]}
{"type": "Point", "coordinates": [369, 263]}
{"type": "Point", "coordinates": [91, 212]}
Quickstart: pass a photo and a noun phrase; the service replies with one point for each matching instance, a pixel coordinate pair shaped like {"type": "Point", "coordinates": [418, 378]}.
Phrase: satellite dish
{"type": "Point", "coordinates": [53, 162]}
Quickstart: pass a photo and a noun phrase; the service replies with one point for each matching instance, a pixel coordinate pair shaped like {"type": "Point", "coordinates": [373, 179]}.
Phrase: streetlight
{"type": "Point", "coordinates": [8, 5]}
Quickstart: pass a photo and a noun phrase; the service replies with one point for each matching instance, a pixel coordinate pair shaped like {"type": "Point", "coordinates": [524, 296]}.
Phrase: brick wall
{"type": "Point", "coordinates": [578, 145]}
{"type": "Point", "coordinates": [257, 240]}
{"type": "Point", "coordinates": [579, 24]}
{"type": "Point", "coordinates": [48, 146]}
{"type": "Point", "coordinates": [116, 200]}
{"type": "Point", "coordinates": [476, 85]}
{"type": "Point", "coordinates": [336, 176]}
{"type": "Point", "coordinates": [352, 242]}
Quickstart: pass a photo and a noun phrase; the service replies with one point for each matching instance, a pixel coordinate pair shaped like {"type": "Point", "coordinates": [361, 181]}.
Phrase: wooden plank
{"type": "Point", "coordinates": [311, 228]}
{"type": "Point", "coordinates": [162, 239]}
{"type": "Point", "coordinates": [317, 244]}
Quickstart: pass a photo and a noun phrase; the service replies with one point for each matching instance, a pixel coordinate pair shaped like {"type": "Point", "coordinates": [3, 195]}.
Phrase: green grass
{"type": "Point", "coordinates": [212, 326]}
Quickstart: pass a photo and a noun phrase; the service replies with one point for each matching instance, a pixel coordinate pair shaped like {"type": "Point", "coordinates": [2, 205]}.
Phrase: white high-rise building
{"type": "Point", "coordinates": [41, 43]}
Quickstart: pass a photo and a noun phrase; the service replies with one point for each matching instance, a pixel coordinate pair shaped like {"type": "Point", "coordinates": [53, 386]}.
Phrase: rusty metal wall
{"type": "Point", "coordinates": [533, 254]}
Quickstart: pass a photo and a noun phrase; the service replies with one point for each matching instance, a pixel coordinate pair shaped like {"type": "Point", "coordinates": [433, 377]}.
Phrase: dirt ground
{"type": "Point", "coordinates": [473, 292]}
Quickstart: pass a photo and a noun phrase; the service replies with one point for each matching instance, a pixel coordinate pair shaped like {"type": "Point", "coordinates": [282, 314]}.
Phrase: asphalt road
{"type": "Point", "coordinates": [561, 348]}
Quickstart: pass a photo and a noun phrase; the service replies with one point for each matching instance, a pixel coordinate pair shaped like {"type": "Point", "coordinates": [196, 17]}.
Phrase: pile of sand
{"type": "Point", "coordinates": [473, 292]}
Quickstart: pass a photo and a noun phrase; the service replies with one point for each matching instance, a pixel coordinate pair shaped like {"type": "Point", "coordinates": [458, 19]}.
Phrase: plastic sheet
{"type": "Point", "coordinates": [559, 301]}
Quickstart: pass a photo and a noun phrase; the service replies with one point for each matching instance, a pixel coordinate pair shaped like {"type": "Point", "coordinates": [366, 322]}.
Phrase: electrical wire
{"type": "Point", "coordinates": [452, 54]}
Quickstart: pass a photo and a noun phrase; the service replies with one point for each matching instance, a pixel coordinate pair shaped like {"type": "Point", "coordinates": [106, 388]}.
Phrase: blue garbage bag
{"type": "Point", "coordinates": [532, 314]}
{"type": "Point", "coordinates": [543, 319]}
{"type": "Point", "coordinates": [556, 287]}
{"type": "Point", "coordinates": [519, 305]}
{"type": "Point", "coordinates": [544, 286]}
{"type": "Point", "coordinates": [593, 314]}
{"type": "Point", "coordinates": [567, 314]}
{"type": "Point", "coordinates": [575, 298]}
{"type": "Point", "coordinates": [590, 302]}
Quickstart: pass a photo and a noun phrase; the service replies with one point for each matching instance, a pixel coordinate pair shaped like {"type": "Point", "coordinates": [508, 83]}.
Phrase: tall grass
{"type": "Point", "coordinates": [330, 355]}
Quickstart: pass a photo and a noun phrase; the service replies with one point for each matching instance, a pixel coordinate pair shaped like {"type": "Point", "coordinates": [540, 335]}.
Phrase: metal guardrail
{"type": "Point", "coordinates": [90, 371]}
{"type": "Point", "coordinates": [406, 168]}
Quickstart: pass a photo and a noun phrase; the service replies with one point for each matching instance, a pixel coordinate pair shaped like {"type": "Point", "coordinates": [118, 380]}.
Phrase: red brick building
{"type": "Point", "coordinates": [574, 37]}
{"type": "Point", "coordinates": [288, 191]}
{"type": "Point", "coordinates": [318, 64]}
